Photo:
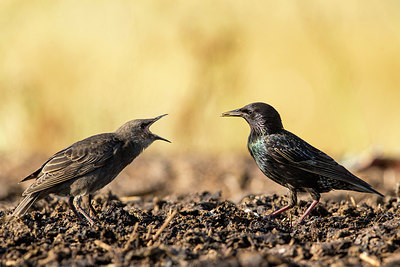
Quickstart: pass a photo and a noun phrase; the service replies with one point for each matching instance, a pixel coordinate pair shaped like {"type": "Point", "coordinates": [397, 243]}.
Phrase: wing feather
{"type": "Point", "coordinates": [77, 160]}
{"type": "Point", "coordinates": [305, 157]}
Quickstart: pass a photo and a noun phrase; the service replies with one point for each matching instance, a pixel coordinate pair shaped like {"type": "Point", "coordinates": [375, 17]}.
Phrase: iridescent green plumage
{"type": "Point", "coordinates": [290, 161]}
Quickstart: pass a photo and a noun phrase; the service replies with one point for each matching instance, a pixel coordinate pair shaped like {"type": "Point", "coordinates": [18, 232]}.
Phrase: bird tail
{"type": "Point", "coordinates": [25, 204]}
{"type": "Point", "coordinates": [365, 188]}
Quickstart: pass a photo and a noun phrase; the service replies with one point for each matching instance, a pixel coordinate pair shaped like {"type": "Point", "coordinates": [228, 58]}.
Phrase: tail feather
{"type": "Point", "coordinates": [367, 188]}
{"type": "Point", "coordinates": [25, 204]}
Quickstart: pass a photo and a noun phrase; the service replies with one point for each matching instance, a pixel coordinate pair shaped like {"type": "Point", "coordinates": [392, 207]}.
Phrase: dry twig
{"type": "Point", "coordinates": [130, 199]}
{"type": "Point", "coordinates": [365, 257]}
{"type": "Point", "coordinates": [103, 245]}
{"type": "Point", "coordinates": [132, 236]}
{"type": "Point", "coordinates": [162, 228]}
{"type": "Point", "coordinates": [353, 202]}
{"type": "Point", "coordinates": [149, 232]}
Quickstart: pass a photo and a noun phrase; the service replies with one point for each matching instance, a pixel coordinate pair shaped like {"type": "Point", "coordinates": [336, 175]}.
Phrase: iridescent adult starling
{"type": "Point", "coordinates": [88, 165]}
{"type": "Point", "coordinates": [290, 161]}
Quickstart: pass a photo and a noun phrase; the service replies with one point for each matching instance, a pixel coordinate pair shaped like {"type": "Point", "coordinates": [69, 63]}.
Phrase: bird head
{"type": "Point", "coordinates": [139, 131]}
{"type": "Point", "coordinates": [261, 117]}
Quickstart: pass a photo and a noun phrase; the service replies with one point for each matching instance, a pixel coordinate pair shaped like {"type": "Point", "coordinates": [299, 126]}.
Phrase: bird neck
{"type": "Point", "coordinates": [133, 149]}
{"type": "Point", "coordinates": [255, 144]}
{"type": "Point", "coordinates": [261, 128]}
{"type": "Point", "coordinates": [255, 135]}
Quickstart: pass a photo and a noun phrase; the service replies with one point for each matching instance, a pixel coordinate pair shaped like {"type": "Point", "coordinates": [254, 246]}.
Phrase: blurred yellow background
{"type": "Point", "coordinates": [71, 69]}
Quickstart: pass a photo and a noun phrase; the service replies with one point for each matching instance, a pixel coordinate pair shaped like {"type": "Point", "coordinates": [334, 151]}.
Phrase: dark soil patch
{"type": "Point", "coordinates": [205, 231]}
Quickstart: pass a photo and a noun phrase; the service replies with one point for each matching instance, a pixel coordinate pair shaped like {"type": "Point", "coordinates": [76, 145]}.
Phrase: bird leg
{"type": "Point", "coordinates": [77, 204]}
{"type": "Point", "coordinates": [72, 207]}
{"type": "Point", "coordinates": [291, 204]}
{"type": "Point", "coordinates": [315, 196]}
{"type": "Point", "coordinates": [91, 208]}
{"type": "Point", "coordinates": [313, 204]}
{"type": "Point", "coordinates": [277, 212]}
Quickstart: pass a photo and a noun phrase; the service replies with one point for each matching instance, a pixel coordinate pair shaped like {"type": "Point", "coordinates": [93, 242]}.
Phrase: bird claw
{"type": "Point", "coordinates": [89, 219]}
{"type": "Point", "coordinates": [75, 205]}
{"type": "Point", "coordinates": [94, 214]}
{"type": "Point", "coordinates": [269, 217]}
{"type": "Point", "coordinates": [299, 222]}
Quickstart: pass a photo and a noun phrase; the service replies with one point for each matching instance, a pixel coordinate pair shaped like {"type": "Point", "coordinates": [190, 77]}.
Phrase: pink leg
{"type": "Point", "coordinates": [291, 204]}
{"type": "Point", "coordinates": [277, 212]}
{"type": "Point", "coordinates": [315, 202]}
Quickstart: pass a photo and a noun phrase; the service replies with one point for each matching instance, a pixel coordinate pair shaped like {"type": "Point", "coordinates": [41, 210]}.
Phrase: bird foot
{"type": "Point", "coordinates": [299, 222]}
{"type": "Point", "coordinates": [270, 217]}
{"type": "Point", "coordinates": [75, 205]}
{"type": "Point", "coordinates": [94, 214]}
{"type": "Point", "coordinates": [92, 211]}
{"type": "Point", "coordinates": [89, 219]}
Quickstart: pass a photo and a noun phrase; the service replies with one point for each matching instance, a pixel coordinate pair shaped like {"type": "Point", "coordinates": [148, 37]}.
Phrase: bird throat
{"type": "Point", "coordinates": [255, 145]}
{"type": "Point", "coordinates": [262, 127]}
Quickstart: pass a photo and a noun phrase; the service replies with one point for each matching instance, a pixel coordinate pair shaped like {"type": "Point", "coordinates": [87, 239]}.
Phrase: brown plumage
{"type": "Point", "coordinates": [88, 165]}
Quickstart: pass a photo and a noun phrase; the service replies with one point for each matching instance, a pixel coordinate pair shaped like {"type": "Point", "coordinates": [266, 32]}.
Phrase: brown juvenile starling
{"type": "Point", "coordinates": [290, 161]}
{"type": "Point", "coordinates": [88, 165]}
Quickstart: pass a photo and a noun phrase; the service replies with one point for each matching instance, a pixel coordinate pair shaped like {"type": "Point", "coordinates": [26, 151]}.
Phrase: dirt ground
{"type": "Point", "coordinates": [202, 211]}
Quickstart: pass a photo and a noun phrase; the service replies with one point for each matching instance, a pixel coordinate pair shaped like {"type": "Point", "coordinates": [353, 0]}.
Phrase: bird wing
{"type": "Point", "coordinates": [77, 160]}
{"type": "Point", "coordinates": [301, 155]}
{"type": "Point", "coordinates": [38, 172]}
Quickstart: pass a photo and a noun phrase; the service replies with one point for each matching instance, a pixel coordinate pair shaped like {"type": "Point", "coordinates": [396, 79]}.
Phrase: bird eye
{"type": "Point", "coordinates": [246, 111]}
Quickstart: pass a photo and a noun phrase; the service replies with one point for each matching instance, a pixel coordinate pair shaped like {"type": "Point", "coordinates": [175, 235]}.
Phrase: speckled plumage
{"type": "Point", "coordinates": [88, 165]}
{"type": "Point", "coordinates": [290, 161]}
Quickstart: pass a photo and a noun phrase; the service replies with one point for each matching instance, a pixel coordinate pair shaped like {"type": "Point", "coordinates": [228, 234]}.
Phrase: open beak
{"type": "Point", "coordinates": [232, 113]}
{"type": "Point", "coordinates": [157, 118]}
{"type": "Point", "coordinates": [157, 137]}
